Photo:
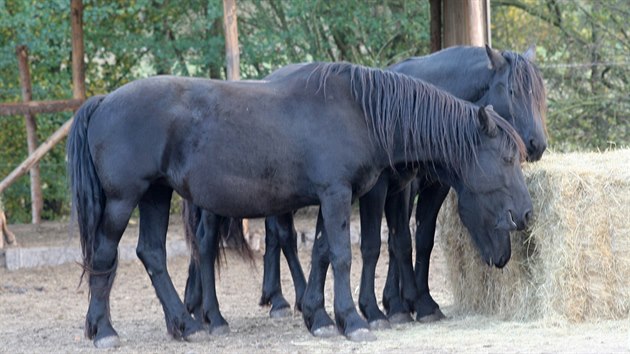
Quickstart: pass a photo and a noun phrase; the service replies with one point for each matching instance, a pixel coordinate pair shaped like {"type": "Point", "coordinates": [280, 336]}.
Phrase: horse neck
{"type": "Point", "coordinates": [461, 71]}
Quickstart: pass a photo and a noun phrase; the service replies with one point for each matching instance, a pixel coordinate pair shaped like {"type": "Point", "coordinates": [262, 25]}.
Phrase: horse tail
{"type": "Point", "coordinates": [230, 234]}
{"type": "Point", "coordinates": [88, 198]}
{"type": "Point", "coordinates": [191, 216]}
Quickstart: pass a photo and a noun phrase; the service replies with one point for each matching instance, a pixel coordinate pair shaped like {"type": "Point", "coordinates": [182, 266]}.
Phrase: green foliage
{"type": "Point", "coordinates": [126, 40]}
{"type": "Point", "coordinates": [369, 33]}
{"type": "Point", "coordinates": [583, 51]}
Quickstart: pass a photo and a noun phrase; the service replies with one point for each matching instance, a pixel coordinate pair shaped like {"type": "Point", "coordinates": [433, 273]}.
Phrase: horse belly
{"type": "Point", "coordinates": [249, 191]}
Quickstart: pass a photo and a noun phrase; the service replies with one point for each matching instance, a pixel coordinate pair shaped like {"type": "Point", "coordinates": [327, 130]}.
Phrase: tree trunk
{"type": "Point", "coordinates": [232, 55]}
{"type": "Point", "coordinates": [436, 24]}
{"type": "Point", "coordinates": [464, 22]}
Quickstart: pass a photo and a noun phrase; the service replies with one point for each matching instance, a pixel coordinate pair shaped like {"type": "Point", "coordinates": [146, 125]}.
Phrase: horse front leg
{"type": "Point", "coordinates": [313, 307]}
{"type": "Point", "coordinates": [272, 289]}
{"type": "Point", "coordinates": [151, 249]}
{"type": "Point", "coordinates": [336, 208]}
{"type": "Point", "coordinates": [371, 207]}
{"type": "Point", "coordinates": [431, 197]}
{"type": "Point", "coordinates": [209, 238]}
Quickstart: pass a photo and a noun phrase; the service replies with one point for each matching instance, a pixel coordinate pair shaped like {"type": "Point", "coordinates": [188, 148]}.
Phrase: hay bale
{"type": "Point", "coordinates": [574, 261]}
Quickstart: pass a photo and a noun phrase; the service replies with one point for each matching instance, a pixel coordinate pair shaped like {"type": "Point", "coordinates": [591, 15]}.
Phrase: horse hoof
{"type": "Point", "coordinates": [361, 335]}
{"type": "Point", "coordinates": [220, 330]}
{"type": "Point", "coordinates": [326, 332]}
{"type": "Point", "coordinates": [437, 315]}
{"type": "Point", "coordinates": [378, 325]}
{"type": "Point", "coordinates": [281, 313]}
{"type": "Point", "coordinates": [400, 318]}
{"type": "Point", "coordinates": [197, 337]}
{"type": "Point", "coordinates": [107, 342]}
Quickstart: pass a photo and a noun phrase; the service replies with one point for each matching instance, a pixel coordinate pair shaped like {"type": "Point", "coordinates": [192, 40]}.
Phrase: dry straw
{"type": "Point", "coordinates": [574, 261]}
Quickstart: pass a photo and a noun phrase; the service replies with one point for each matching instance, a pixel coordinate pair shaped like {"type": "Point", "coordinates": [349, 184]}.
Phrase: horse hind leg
{"type": "Point", "coordinates": [288, 242]}
{"type": "Point", "coordinates": [103, 271]}
{"type": "Point", "coordinates": [314, 312]}
{"type": "Point", "coordinates": [192, 295]}
{"type": "Point", "coordinates": [397, 216]}
{"type": "Point", "coordinates": [154, 214]}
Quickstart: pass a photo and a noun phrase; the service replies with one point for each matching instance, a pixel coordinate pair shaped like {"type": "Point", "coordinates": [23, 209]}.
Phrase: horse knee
{"type": "Point", "coordinates": [341, 262]}
{"type": "Point", "coordinates": [104, 258]}
{"type": "Point", "coordinates": [152, 259]}
{"type": "Point", "coordinates": [370, 253]}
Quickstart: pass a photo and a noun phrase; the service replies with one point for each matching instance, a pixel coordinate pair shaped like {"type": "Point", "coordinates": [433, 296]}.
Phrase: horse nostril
{"type": "Point", "coordinates": [537, 146]}
{"type": "Point", "coordinates": [528, 217]}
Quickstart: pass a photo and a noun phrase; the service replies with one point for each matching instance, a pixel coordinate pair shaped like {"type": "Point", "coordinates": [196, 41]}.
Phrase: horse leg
{"type": "Point", "coordinates": [193, 295]}
{"type": "Point", "coordinates": [336, 207]}
{"type": "Point", "coordinates": [430, 201]}
{"type": "Point", "coordinates": [272, 289]}
{"type": "Point", "coordinates": [315, 317]}
{"type": "Point", "coordinates": [397, 216]}
{"type": "Point", "coordinates": [154, 214]}
{"type": "Point", "coordinates": [209, 238]}
{"type": "Point", "coordinates": [114, 220]}
{"type": "Point", "coordinates": [392, 300]}
{"type": "Point", "coordinates": [288, 242]}
{"type": "Point", "coordinates": [371, 211]}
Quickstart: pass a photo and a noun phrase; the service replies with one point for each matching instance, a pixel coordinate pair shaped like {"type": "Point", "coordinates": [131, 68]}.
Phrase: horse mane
{"type": "Point", "coordinates": [444, 127]}
{"type": "Point", "coordinates": [526, 78]}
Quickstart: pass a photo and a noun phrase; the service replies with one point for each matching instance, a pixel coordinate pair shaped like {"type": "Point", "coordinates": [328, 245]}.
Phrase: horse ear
{"type": "Point", "coordinates": [497, 61]}
{"type": "Point", "coordinates": [530, 53]}
{"type": "Point", "coordinates": [488, 125]}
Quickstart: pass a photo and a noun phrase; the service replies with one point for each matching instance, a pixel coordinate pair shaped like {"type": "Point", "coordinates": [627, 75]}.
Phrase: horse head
{"type": "Point", "coordinates": [492, 195]}
{"type": "Point", "coordinates": [517, 93]}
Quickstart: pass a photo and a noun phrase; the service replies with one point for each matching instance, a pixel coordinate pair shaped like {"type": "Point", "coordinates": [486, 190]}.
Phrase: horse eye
{"type": "Point", "coordinates": [508, 159]}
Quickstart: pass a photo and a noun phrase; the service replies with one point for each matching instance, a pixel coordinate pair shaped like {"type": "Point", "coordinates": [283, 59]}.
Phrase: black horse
{"type": "Point", "coordinates": [318, 136]}
{"type": "Point", "coordinates": [514, 86]}
{"type": "Point", "coordinates": [507, 80]}
{"type": "Point", "coordinates": [281, 234]}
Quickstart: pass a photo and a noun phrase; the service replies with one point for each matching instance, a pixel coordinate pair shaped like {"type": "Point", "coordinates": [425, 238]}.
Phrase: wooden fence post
{"type": "Point", "coordinates": [37, 202]}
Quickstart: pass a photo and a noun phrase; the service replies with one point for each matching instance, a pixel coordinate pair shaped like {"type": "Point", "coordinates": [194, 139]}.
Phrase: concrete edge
{"type": "Point", "coordinates": [30, 257]}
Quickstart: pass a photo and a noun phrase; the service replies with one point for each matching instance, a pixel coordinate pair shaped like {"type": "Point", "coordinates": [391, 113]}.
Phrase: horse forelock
{"type": "Point", "coordinates": [511, 139]}
{"type": "Point", "coordinates": [526, 78]}
{"type": "Point", "coordinates": [441, 126]}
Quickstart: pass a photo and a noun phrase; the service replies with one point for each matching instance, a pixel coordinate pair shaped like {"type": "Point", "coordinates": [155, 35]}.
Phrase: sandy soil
{"type": "Point", "coordinates": [42, 310]}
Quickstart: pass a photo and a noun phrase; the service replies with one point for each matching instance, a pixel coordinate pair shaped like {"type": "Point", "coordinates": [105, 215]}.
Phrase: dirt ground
{"type": "Point", "coordinates": [42, 310]}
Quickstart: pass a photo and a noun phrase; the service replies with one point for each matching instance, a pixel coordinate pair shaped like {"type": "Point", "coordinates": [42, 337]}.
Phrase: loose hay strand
{"type": "Point", "coordinates": [573, 263]}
